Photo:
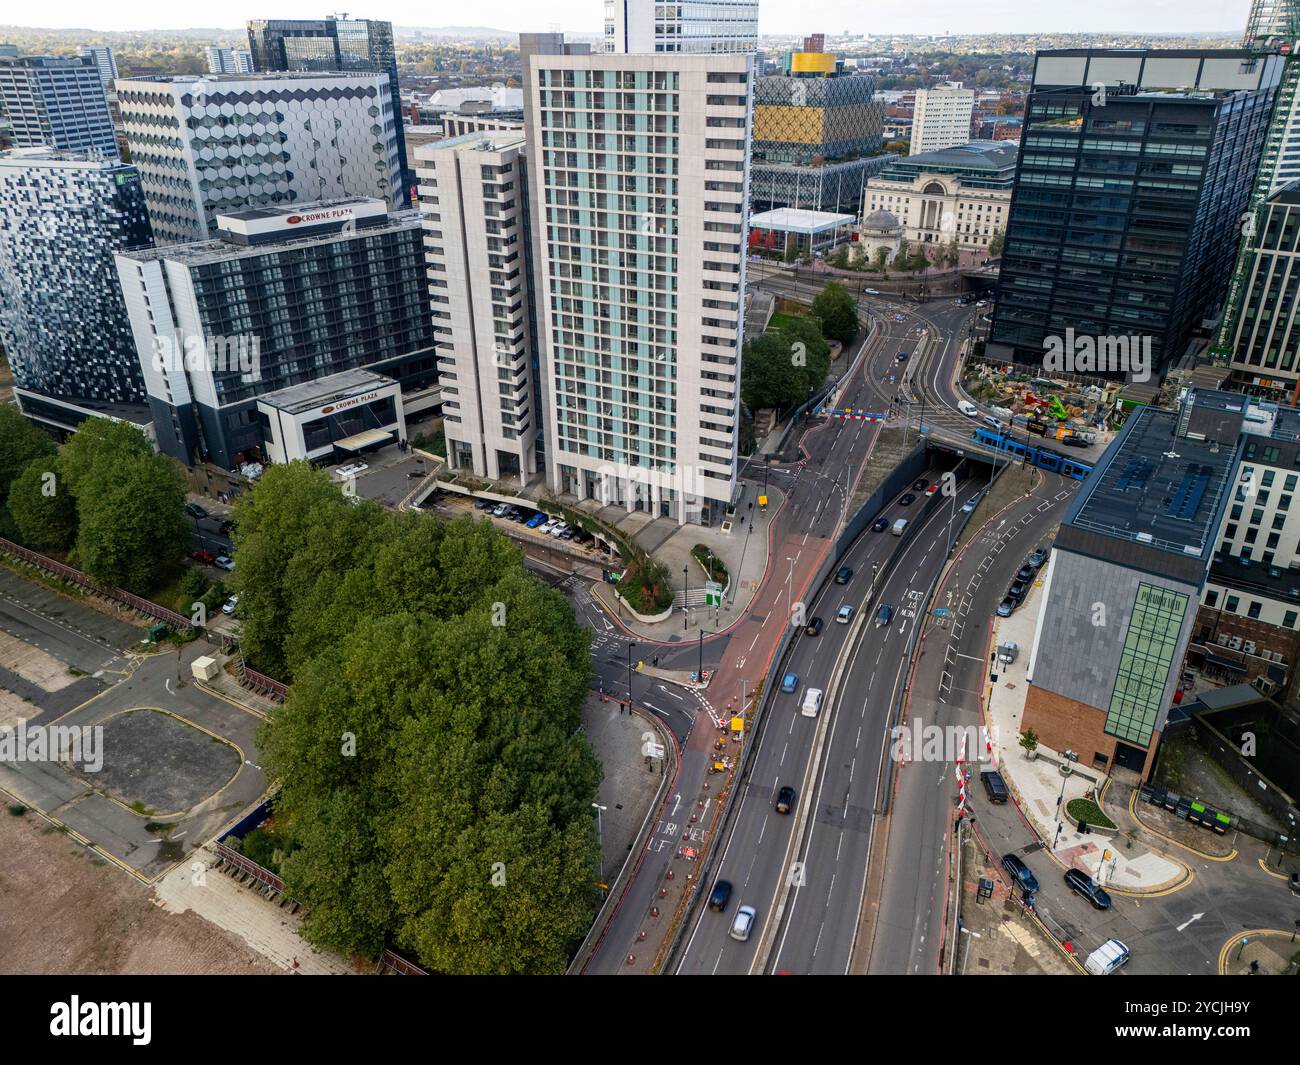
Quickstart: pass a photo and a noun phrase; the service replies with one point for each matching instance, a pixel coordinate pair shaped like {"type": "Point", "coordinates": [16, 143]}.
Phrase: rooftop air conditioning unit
{"type": "Point", "coordinates": [1249, 647]}
{"type": "Point", "coordinates": [1222, 639]}
{"type": "Point", "coordinates": [1234, 644]}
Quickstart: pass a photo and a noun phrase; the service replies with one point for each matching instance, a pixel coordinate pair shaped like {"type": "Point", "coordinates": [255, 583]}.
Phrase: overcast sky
{"type": "Point", "coordinates": [775, 16]}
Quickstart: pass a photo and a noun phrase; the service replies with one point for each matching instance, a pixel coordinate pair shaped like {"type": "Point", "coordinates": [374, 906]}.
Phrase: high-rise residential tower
{"type": "Point", "coordinates": [104, 61]}
{"type": "Point", "coordinates": [473, 200]}
{"type": "Point", "coordinates": [228, 60]}
{"type": "Point", "coordinates": [213, 144]}
{"type": "Point", "coordinates": [638, 180]}
{"type": "Point", "coordinates": [941, 118]}
{"type": "Point", "coordinates": [637, 26]}
{"type": "Point", "coordinates": [63, 216]}
{"type": "Point", "coordinates": [58, 102]}
{"type": "Point", "coordinates": [334, 43]}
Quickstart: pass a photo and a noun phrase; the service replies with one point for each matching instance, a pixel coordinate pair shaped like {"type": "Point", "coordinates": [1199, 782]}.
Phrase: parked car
{"type": "Point", "coordinates": [790, 683]}
{"type": "Point", "coordinates": [228, 607]}
{"type": "Point", "coordinates": [720, 895]}
{"type": "Point", "coordinates": [907, 499]}
{"type": "Point", "coordinates": [1037, 558]}
{"type": "Point", "coordinates": [1075, 441]}
{"type": "Point", "coordinates": [195, 511]}
{"type": "Point", "coordinates": [814, 627]}
{"type": "Point", "coordinates": [1026, 573]}
{"type": "Point", "coordinates": [884, 615]}
{"type": "Point", "coordinates": [224, 562]}
{"type": "Point", "coordinates": [880, 525]}
{"type": "Point", "coordinates": [994, 786]}
{"type": "Point", "coordinates": [351, 470]}
{"type": "Point", "coordinates": [870, 292]}
{"type": "Point", "coordinates": [483, 504]}
{"type": "Point", "coordinates": [1082, 884]}
{"type": "Point", "coordinates": [548, 525]}
{"type": "Point", "coordinates": [1008, 652]}
{"type": "Point", "coordinates": [744, 923]}
{"type": "Point", "coordinates": [1107, 958]}
{"type": "Point", "coordinates": [1020, 873]}
{"type": "Point", "coordinates": [499, 511]}
{"type": "Point", "coordinates": [535, 521]}
{"type": "Point", "coordinates": [843, 575]}
{"type": "Point", "coordinates": [1017, 591]}
{"type": "Point", "coordinates": [559, 530]}
{"type": "Point", "coordinates": [1007, 607]}
{"type": "Point", "coordinates": [970, 504]}
{"type": "Point", "coordinates": [206, 557]}
{"type": "Point", "coordinates": [785, 800]}
{"type": "Point", "coordinates": [1295, 883]}
{"type": "Point", "coordinates": [845, 613]}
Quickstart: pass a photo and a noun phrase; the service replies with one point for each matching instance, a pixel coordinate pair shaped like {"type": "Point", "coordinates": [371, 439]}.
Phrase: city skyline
{"type": "Point", "coordinates": [775, 17]}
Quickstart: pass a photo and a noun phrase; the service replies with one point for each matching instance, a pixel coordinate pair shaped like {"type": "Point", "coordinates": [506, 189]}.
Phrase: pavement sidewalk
{"type": "Point", "coordinates": [746, 551]}
{"type": "Point", "coordinates": [1127, 858]}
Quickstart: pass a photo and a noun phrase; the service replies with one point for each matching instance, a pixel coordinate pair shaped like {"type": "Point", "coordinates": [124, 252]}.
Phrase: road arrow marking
{"type": "Point", "coordinates": [1194, 917]}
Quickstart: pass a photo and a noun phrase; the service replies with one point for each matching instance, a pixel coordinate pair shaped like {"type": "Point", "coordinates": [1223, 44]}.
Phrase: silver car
{"type": "Point", "coordinates": [743, 923]}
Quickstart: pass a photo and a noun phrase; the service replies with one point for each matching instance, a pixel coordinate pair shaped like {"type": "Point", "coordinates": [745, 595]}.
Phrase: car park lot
{"type": "Point", "coordinates": [167, 763]}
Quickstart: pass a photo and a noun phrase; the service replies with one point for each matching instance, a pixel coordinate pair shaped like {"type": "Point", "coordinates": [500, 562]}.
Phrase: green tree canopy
{"type": "Point", "coordinates": [97, 448]}
{"type": "Point", "coordinates": [459, 825]}
{"type": "Point", "coordinates": [837, 312]}
{"type": "Point", "coordinates": [130, 520]}
{"type": "Point", "coordinates": [20, 443]}
{"type": "Point", "coordinates": [42, 507]}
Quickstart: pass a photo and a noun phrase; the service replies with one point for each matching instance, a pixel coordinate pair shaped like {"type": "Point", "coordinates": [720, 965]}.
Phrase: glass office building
{"type": "Point", "coordinates": [1134, 170]}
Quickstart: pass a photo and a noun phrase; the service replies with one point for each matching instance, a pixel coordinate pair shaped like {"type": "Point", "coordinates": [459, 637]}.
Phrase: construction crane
{"type": "Point", "coordinates": [1272, 28]}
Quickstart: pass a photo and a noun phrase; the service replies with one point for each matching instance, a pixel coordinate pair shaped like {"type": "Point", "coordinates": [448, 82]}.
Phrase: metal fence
{"type": "Point", "coordinates": [74, 576]}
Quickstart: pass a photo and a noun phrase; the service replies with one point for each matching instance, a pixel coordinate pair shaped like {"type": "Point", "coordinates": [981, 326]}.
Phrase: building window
{"type": "Point", "coordinates": [1231, 603]}
{"type": "Point", "coordinates": [1255, 608]}
{"type": "Point", "coordinates": [1211, 598]}
{"type": "Point", "coordinates": [1289, 619]}
{"type": "Point", "coordinates": [1149, 647]}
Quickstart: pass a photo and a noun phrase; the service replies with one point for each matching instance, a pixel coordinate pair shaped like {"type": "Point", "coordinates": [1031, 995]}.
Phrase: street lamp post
{"type": "Point", "coordinates": [600, 837]}
{"type": "Point", "coordinates": [965, 953]}
{"type": "Point", "coordinates": [631, 644]}
{"type": "Point", "coordinates": [686, 598]}
{"type": "Point", "coordinates": [1066, 768]}
{"type": "Point", "coordinates": [789, 590]}
{"type": "Point", "coordinates": [700, 674]}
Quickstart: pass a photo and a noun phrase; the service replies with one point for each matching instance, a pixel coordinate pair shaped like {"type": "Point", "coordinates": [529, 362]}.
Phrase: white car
{"type": "Point", "coordinates": [743, 923]}
{"type": "Point", "coordinates": [228, 607]}
{"type": "Point", "coordinates": [546, 526]}
{"type": "Point", "coordinates": [224, 562]}
{"type": "Point", "coordinates": [870, 292]}
{"type": "Point", "coordinates": [351, 470]}
{"type": "Point", "coordinates": [559, 530]}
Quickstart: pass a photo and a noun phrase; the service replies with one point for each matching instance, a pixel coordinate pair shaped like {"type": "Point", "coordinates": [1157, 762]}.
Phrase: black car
{"type": "Point", "coordinates": [195, 511]}
{"type": "Point", "coordinates": [843, 575]}
{"type": "Point", "coordinates": [994, 786]}
{"type": "Point", "coordinates": [1020, 873]}
{"type": "Point", "coordinates": [1017, 591]}
{"type": "Point", "coordinates": [1075, 441]}
{"type": "Point", "coordinates": [227, 527]}
{"type": "Point", "coordinates": [785, 800]}
{"type": "Point", "coordinates": [880, 525]}
{"type": "Point", "coordinates": [1295, 883]}
{"type": "Point", "coordinates": [1025, 574]}
{"type": "Point", "coordinates": [814, 627]}
{"type": "Point", "coordinates": [920, 484]}
{"type": "Point", "coordinates": [483, 504]}
{"type": "Point", "coordinates": [721, 895]}
{"type": "Point", "coordinates": [907, 500]}
{"type": "Point", "coordinates": [1082, 884]}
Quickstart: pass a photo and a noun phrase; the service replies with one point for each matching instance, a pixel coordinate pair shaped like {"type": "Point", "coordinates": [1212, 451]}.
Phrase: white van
{"type": "Point", "coordinates": [1107, 958]}
{"type": "Point", "coordinates": [899, 526]}
{"type": "Point", "coordinates": [967, 408]}
{"type": "Point", "coordinates": [812, 702]}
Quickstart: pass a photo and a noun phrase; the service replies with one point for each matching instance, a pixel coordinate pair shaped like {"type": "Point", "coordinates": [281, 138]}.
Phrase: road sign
{"type": "Point", "coordinates": [712, 593]}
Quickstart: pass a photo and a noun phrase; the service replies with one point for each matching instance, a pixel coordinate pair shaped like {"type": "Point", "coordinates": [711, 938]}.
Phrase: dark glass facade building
{"type": "Point", "coordinates": [281, 300]}
{"type": "Point", "coordinates": [350, 45]}
{"type": "Point", "coordinates": [1134, 170]}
